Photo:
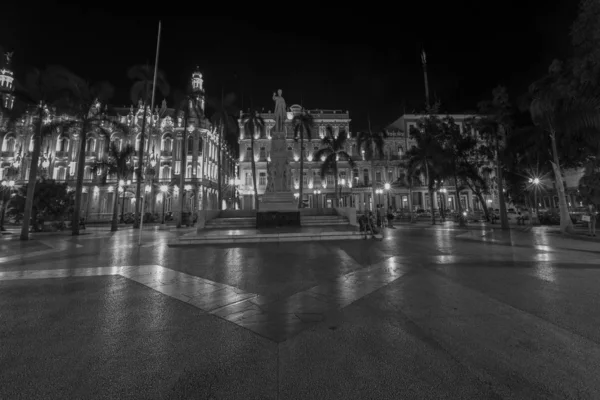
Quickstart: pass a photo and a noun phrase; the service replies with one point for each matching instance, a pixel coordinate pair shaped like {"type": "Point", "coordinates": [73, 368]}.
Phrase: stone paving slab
{"type": "Point", "coordinates": [110, 338]}
{"type": "Point", "coordinates": [277, 320]}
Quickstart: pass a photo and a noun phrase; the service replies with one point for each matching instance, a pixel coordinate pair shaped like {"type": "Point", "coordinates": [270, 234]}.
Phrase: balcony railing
{"type": "Point", "coordinates": [62, 154]}
{"type": "Point", "coordinates": [166, 153]}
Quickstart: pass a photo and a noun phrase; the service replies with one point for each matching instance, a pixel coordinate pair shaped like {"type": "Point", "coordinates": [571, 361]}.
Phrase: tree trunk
{"type": "Point", "coordinates": [566, 225]}
{"type": "Point", "coordinates": [482, 200]}
{"type": "Point", "coordinates": [32, 179]}
{"type": "Point", "coordinates": [337, 193]}
{"type": "Point", "coordinates": [430, 191]}
{"type": "Point", "coordinates": [114, 226]}
{"type": "Point", "coordinates": [301, 191]}
{"type": "Point", "coordinates": [2, 214]}
{"type": "Point", "coordinates": [410, 200]}
{"type": "Point", "coordinates": [219, 194]}
{"type": "Point", "coordinates": [140, 169]}
{"type": "Point", "coordinates": [79, 184]}
{"type": "Point", "coordinates": [503, 216]}
{"type": "Point", "coordinates": [182, 170]}
{"type": "Point", "coordinates": [254, 172]}
{"type": "Point", "coordinates": [461, 220]}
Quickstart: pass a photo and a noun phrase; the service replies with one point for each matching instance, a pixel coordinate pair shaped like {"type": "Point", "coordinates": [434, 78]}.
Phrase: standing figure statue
{"type": "Point", "coordinates": [280, 111]}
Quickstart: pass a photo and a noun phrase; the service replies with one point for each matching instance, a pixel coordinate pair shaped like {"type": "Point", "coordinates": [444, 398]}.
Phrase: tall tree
{"type": "Point", "coordinates": [225, 120]}
{"type": "Point", "coordinates": [35, 96]}
{"type": "Point", "coordinates": [253, 126]}
{"type": "Point", "coordinates": [142, 89]}
{"type": "Point", "coordinates": [303, 125]}
{"type": "Point", "coordinates": [118, 163]}
{"type": "Point", "coordinates": [458, 147]}
{"type": "Point", "coordinates": [427, 155]}
{"type": "Point", "coordinates": [84, 111]}
{"type": "Point", "coordinates": [572, 120]}
{"type": "Point", "coordinates": [372, 142]}
{"type": "Point", "coordinates": [332, 151]}
{"type": "Point", "coordinates": [494, 128]}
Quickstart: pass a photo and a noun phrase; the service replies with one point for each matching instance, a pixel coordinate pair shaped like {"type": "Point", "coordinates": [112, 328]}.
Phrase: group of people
{"type": "Point", "coordinates": [372, 222]}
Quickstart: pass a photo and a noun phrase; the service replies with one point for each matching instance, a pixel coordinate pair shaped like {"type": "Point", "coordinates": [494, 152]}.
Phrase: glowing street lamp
{"type": "Point", "coordinates": [536, 183]}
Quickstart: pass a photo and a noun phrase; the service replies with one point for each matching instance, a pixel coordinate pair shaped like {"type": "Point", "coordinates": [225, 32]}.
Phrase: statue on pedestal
{"type": "Point", "coordinates": [280, 111]}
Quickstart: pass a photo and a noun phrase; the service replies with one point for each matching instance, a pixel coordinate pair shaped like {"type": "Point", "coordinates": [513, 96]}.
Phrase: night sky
{"type": "Point", "coordinates": [326, 58]}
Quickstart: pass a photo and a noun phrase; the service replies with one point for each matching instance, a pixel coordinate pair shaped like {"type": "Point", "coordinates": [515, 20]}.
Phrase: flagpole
{"type": "Point", "coordinates": [151, 110]}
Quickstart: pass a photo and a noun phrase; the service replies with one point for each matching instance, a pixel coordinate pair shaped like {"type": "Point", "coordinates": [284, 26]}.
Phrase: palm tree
{"type": "Point", "coordinates": [332, 152]}
{"type": "Point", "coordinates": [142, 89]}
{"type": "Point", "coordinates": [411, 172]}
{"type": "Point", "coordinates": [428, 155]}
{"type": "Point", "coordinates": [118, 163]}
{"type": "Point", "coordinates": [372, 143]}
{"type": "Point", "coordinates": [303, 125]}
{"type": "Point", "coordinates": [495, 128]}
{"type": "Point", "coordinates": [39, 91]}
{"type": "Point", "coordinates": [567, 116]}
{"type": "Point", "coordinates": [190, 107]}
{"type": "Point", "coordinates": [224, 118]}
{"type": "Point", "coordinates": [253, 125]}
{"type": "Point", "coordinates": [84, 114]}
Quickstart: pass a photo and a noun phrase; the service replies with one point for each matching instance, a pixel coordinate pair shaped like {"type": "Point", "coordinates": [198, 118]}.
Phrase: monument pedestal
{"type": "Point", "coordinates": [278, 206]}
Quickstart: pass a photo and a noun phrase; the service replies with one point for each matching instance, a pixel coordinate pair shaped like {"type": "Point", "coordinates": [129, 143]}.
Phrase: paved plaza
{"type": "Point", "coordinates": [426, 313]}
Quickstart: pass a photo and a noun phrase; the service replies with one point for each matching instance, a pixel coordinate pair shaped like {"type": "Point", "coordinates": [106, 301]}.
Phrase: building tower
{"type": "Point", "coordinates": [198, 86]}
{"type": "Point", "coordinates": [7, 85]}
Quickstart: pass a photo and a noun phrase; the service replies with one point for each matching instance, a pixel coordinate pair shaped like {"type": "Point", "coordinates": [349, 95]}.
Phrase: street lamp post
{"type": "Point", "coordinates": [387, 187]}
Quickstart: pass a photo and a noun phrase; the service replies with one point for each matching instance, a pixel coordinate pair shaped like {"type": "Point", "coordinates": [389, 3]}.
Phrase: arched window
{"type": "Point", "coordinates": [165, 172]}
{"type": "Point", "coordinates": [90, 144]}
{"type": "Point", "coordinates": [167, 143]}
{"type": "Point", "coordinates": [200, 143]}
{"type": "Point", "coordinates": [188, 170]}
{"type": "Point", "coordinates": [190, 145]}
{"type": "Point", "coordinates": [263, 153]}
{"type": "Point", "coordinates": [249, 153]}
{"type": "Point", "coordinates": [355, 176]}
{"type": "Point", "coordinates": [9, 143]}
{"type": "Point", "coordinates": [63, 143]}
{"type": "Point", "coordinates": [118, 142]}
{"type": "Point", "coordinates": [400, 151]}
{"type": "Point", "coordinates": [366, 176]}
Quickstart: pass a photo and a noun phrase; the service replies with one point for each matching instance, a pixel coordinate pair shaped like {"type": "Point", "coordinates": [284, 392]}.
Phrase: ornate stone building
{"type": "Point", "coordinates": [355, 183]}
{"type": "Point", "coordinates": [162, 157]}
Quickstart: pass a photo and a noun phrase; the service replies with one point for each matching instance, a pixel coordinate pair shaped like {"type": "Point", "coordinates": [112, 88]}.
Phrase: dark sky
{"type": "Point", "coordinates": [327, 57]}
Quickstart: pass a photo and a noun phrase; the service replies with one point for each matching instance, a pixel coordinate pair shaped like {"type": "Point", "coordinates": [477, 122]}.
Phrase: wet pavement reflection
{"type": "Point", "coordinates": [481, 307]}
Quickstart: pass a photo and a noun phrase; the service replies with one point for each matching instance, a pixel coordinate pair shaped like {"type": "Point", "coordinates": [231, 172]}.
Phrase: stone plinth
{"type": "Point", "coordinates": [278, 206]}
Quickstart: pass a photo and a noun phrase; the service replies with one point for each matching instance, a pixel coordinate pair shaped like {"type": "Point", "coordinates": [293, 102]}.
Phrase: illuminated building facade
{"type": "Point", "coordinates": [162, 154]}
{"type": "Point", "coordinates": [354, 183]}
